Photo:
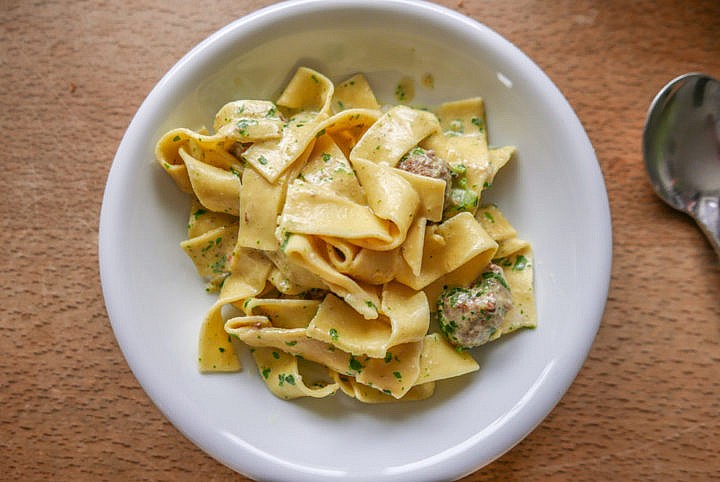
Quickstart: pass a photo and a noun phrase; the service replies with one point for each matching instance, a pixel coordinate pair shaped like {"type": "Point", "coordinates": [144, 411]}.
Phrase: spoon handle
{"type": "Point", "coordinates": [706, 212]}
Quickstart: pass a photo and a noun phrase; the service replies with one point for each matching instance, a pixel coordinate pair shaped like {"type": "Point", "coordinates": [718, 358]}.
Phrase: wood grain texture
{"type": "Point", "coordinates": [644, 406]}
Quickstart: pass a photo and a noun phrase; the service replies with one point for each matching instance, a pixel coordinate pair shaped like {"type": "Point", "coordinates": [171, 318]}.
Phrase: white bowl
{"type": "Point", "coordinates": [553, 193]}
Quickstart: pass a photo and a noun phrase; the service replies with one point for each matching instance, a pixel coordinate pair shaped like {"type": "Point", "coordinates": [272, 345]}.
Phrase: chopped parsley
{"type": "Point", "coordinates": [478, 122]}
{"type": "Point", "coordinates": [286, 378]}
{"type": "Point", "coordinates": [521, 263]}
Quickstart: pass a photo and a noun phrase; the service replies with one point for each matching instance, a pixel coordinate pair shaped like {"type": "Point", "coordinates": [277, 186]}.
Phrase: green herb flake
{"type": "Point", "coordinates": [221, 349]}
{"type": "Point", "coordinates": [521, 263]}
{"type": "Point", "coordinates": [478, 122]}
{"type": "Point", "coordinates": [333, 334]}
{"type": "Point", "coordinates": [355, 365]}
{"type": "Point", "coordinates": [286, 238]}
{"type": "Point", "coordinates": [397, 375]}
{"type": "Point", "coordinates": [243, 124]}
{"type": "Point", "coordinates": [497, 277]}
{"type": "Point", "coordinates": [276, 355]}
{"type": "Point", "coordinates": [489, 216]}
{"type": "Point", "coordinates": [262, 160]}
{"type": "Point", "coordinates": [176, 138]}
{"type": "Point", "coordinates": [266, 372]}
{"type": "Point", "coordinates": [320, 133]}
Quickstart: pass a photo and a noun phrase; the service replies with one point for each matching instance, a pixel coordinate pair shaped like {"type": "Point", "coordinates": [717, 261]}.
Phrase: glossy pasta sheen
{"type": "Point", "coordinates": [327, 258]}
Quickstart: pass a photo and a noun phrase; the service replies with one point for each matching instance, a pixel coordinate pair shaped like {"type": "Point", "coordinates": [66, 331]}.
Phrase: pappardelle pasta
{"type": "Point", "coordinates": [335, 229]}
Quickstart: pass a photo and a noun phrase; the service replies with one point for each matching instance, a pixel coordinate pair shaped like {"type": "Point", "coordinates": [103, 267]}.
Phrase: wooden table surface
{"type": "Point", "coordinates": [645, 404]}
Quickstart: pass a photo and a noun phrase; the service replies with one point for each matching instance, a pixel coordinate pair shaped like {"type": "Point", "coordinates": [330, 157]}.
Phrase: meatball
{"type": "Point", "coordinates": [426, 163]}
{"type": "Point", "coordinates": [469, 317]}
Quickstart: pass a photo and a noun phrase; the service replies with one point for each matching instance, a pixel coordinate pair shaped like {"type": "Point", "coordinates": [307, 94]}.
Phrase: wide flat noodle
{"type": "Point", "coordinates": [518, 269]}
{"type": "Point", "coordinates": [405, 318]}
{"type": "Point", "coordinates": [352, 93]}
{"type": "Point", "coordinates": [283, 313]}
{"type": "Point", "coordinates": [308, 253]}
{"type": "Point", "coordinates": [201, 220]}
{"type": "Point", "coordinates": [318, 210]}
{"type": "Point", "coordinates": [283, 377]}
{"type": "Point", "coordinates": [391, 198]}
{"type": "Point", "coordinates": [394, 134]}
{"type": "Point", "coordinates": [211, 251]}
{"type": "Point", "coordinates": [367, 394]}
{"type": "Point", "coordinates": [307, 102]}
{"type": "Point", "coordinates": [440, 360]}
{"type": "Point", "coordinates": [495, 223]}
{"type": "Point", "coordinates": [249, 121]}
{"type": "Point", "coordinates": [215, 188]}
{"type": "Point", "coordinates": [460, 241]}
{"type": "Point", "coordinates": [396, 376]}
{"type": "Point", "coordinates": [208, 149]}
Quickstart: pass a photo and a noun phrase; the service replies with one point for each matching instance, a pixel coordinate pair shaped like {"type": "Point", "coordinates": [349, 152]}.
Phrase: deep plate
{"type": "Point", "coordinates": [553, 193]}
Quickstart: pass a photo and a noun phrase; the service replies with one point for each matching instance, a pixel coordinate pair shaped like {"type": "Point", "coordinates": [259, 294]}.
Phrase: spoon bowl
{"type": "Point", "coordinates": [681, 148]}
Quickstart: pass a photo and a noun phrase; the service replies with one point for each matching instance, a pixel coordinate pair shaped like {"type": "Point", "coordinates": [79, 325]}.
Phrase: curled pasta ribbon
{"type": "Point", "coordinates": [405, 319]}
{"type": "Point", "coordinates": [216, 188]}
{"type": "Point", "coordinates": [257, 331]}
{"type": "Point", "coordinates": [391, 198]}
{"type": "Point", "coordinates": [394, 134]}
{"type": "Point", "coordinates": [249, 121]}
{"type": "Point", "coordinates": [455, 252]}
{"type": "Point", "coordinates": [211, 150]}
{"type": "Point", "coordinates": [364, 393]}
{"type": "Point", "coordinates": [285, 378]}
{"type": "Point", "coordinates": [308, 253]}
{"type": "Point", "coordinates": [306, 101]}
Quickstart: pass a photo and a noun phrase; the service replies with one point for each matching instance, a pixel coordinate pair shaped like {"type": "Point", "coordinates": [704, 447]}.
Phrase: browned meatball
{"type": "Point", "coordinates": [425, 163]}
{"type": "Point", "coordinates": [469, 317]}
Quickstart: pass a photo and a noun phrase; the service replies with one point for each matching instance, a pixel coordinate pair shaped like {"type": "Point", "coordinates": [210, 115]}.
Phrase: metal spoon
{"type": "Point", "coordinates": [681, 146]}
